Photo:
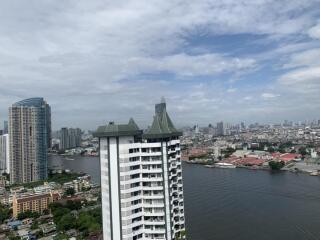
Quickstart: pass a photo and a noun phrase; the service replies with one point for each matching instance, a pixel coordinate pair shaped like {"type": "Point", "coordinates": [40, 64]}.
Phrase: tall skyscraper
{"type": "Point", "coordinates": [141, 180]}
{"type": "Point", "coordinates": [4, 154]}
{"type": "Point", "coordinates": [28, 137]}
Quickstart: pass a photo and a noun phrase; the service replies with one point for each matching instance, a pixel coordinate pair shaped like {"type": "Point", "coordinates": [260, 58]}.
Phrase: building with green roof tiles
{"type": "Point", "coordinates": [141, 179]}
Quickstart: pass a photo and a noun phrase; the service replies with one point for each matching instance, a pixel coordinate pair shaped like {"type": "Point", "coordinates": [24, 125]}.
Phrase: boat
{"type": "Point", "coordinates": [69, 159]}
{"type": "Point", "coordinates": [315, 173]}
{"type": "Point", "coordinates": [209, 166]}
{"type": "Point", "coordinates": [224, 165]}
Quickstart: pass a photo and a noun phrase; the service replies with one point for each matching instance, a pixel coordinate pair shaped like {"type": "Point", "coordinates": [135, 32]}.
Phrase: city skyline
{"type": "Point", "coordinates": [212, 60]}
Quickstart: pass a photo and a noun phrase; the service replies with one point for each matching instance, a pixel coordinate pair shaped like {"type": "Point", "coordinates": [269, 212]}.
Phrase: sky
{"type": "Point", "coordinates": [100, 61]}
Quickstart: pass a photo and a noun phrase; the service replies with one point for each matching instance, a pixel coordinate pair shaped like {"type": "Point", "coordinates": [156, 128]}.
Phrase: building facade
{"type": "Point", "coordinates": [220, 129]}
{"type": "Point", "coordinates": [28, 140]}
{"type": "Point", "coordinates": [4, 154]}
{"type": "Point", "coordinates": [141, 180]}
{"type": "Point", "coordinates": [70, 138]}
{"type": "Point", "coordinates": [34, 203]}
{"type": "Point", "coordinates": [5, 127]}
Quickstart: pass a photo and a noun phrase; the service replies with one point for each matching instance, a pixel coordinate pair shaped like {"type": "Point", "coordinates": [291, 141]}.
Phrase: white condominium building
{"type": "Point", "coordinates": [141, 180]}
{"type": "Point", "coordinates": [4, 154]}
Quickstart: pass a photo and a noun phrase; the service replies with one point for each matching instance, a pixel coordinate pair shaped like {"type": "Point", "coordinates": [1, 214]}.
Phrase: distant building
{"type": "Point", "coordinates": [5, 127]}
{"type": "Point", "coordinates": [220, 129]}
{"type": "Point", "coordinates": [48, 125]}
{"type": "Point", "coordinates": [34, 203]}
{"type": "Point", "coordinates": [313, 153]}
{"type": "Point", "coordinates": [64, 139]}
{"type": "Point", "coordinates": [141, 180]}
{"type": "Point", "coordinates": [4, 154]}
{"type": "Point", "coordinates": [70, 138]}
{"type": "Point", "coordinates": [196, 129]}
{"type": "Point", "coordinates": [28, 138]}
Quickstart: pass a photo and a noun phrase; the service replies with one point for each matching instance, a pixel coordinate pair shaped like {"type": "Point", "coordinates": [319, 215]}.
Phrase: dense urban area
{"type": "Point", "coordinates": [287, 146]}
{"type": "Point", "coordinates": [67, 205]}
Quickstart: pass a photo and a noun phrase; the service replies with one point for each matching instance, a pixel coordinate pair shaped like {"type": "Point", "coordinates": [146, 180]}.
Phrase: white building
{"type": "Point", "coordinates": [141, 180]}
{"type": "Point", "coordinates": [4, 154]}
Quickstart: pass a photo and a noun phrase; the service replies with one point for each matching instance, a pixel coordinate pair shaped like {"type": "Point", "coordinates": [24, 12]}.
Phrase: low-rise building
{"type": "Point", "coordinates": [34, 203]}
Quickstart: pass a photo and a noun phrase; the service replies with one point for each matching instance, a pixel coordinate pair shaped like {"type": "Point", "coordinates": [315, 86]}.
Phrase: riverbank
{"type": "Point", "coordinates": [249, 202]}
{"type": "Point", "coordinates": [294, 167]}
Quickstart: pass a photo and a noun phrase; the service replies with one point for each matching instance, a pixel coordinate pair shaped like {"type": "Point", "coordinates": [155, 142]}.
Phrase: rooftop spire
{"type": "Point", "coordinates": [162, 125]}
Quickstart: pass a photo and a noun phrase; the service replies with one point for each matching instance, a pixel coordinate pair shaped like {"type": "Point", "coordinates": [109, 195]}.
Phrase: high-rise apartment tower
{"type": "Point", "coordinates": [29, 123]}
{"type": "Point", "coordinates": [141, 180]}
{"type": "Point", "coordinates": [4, 154]}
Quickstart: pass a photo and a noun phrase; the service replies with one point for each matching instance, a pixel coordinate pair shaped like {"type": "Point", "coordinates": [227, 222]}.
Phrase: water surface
{"type": "Point", "coordinates": [225, 204]}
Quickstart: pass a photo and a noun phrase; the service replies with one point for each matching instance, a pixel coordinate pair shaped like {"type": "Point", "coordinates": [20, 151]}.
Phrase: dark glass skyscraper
{"type": "Point", "coordinates": [5, 127]}
{"type": "Point", "coordinates": [29, 134]}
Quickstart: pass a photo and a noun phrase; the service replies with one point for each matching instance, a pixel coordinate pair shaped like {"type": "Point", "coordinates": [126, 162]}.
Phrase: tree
{"type": "Point", "coordinates": [66, 222]}
{"type": "Point", "coordinates": [61, 236]}
{"type": "Point", "coordinates": [303, 151]}
{"type": "Point", "coordinates": [73, 205]}
{"type": "Point", "coordinates": [69, 191]}
{"type": "Point", "coordinates": [28, 214]}
{"type": "Point", "coordinates": [5, 213]}
{"type": "Point", "coordinates": [12, 236]}
{"type": "Point", "coordinates": [275, 165]}
{"type": "Point", "coordinates": [182, 235]}
{"type": "Point", "coordinates": [87, 223]}
{"type": "Point", "coordinates": [34, 226]}
{"type": "Point", "coordinates": [270, 149]}
{"type": "Point", "coordinates": [46, 211]}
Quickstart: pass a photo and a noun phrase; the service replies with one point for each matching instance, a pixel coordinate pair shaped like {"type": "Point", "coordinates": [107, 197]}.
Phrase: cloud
{"type": "Point", "coordinates": [95, 60]}
{"type": "Point", "coordinates": [231, 90]}
{"type": "Point", "coordinates": [191, 65]}
{"type": "Point", "coordinates": [269, 95]}
{"type": "Point", "coordinates": [303, 80]}
{"type": "Point", "coordinates": [314, 32]}
{"type": "Point", "coordinates": [304, 58]}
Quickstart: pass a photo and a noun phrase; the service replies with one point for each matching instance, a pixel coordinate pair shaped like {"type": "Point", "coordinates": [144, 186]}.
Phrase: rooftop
{"type": "Point", "coordinates": [162, 126]}
{"type": "Point", "coordinates": [30, 102]}
{"type": "Point", "coordinates": [113, 129]}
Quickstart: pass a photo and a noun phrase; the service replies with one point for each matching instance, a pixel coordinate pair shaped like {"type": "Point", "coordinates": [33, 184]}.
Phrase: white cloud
{"type": "Point", "coordinates": [314, 32]}
{"type": "Point", "coordinates": [104, 55]}
{"type": "Point", "coordinates": [191, 65]}
{"type": "Point", "coordinates": [304, 58]}
{"type": "Point", "coordinates": [247, 98]}
{"type": "Point", "coordinates": [304, 80]}
{"type": "Point", "coordinates": [232, 90]}
{"type": "Point", "coordinates": [269, 95]}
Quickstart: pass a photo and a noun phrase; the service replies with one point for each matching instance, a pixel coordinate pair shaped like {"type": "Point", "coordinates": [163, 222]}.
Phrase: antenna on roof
{"type": "Point", "coordinates": [163, 100]}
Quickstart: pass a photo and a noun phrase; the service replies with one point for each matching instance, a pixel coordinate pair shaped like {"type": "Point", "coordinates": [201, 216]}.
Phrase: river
{"type": "Point", "coordinates": [240, 204]}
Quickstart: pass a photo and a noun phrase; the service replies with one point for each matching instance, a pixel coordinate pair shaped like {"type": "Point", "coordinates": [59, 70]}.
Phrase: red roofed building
{"type": "Point", "coordinates": [247, 161]}
{"type": "Point", "coordinates": [288, 157]}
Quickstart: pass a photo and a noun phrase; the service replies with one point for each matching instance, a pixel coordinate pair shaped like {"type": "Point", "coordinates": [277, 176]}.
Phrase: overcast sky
{"type": "Point", "coordinates": [96, 61]}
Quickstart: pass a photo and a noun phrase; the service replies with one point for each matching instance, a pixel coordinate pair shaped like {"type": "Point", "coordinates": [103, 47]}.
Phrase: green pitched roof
{"type": "Point", "coordinates": [111, 130]}
{"type": "Point", "coordinates": [162, 125]}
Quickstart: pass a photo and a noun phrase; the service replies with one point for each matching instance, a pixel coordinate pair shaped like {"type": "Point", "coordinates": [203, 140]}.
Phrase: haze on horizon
{"type": "Point", "coordinates": [96, 61]}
